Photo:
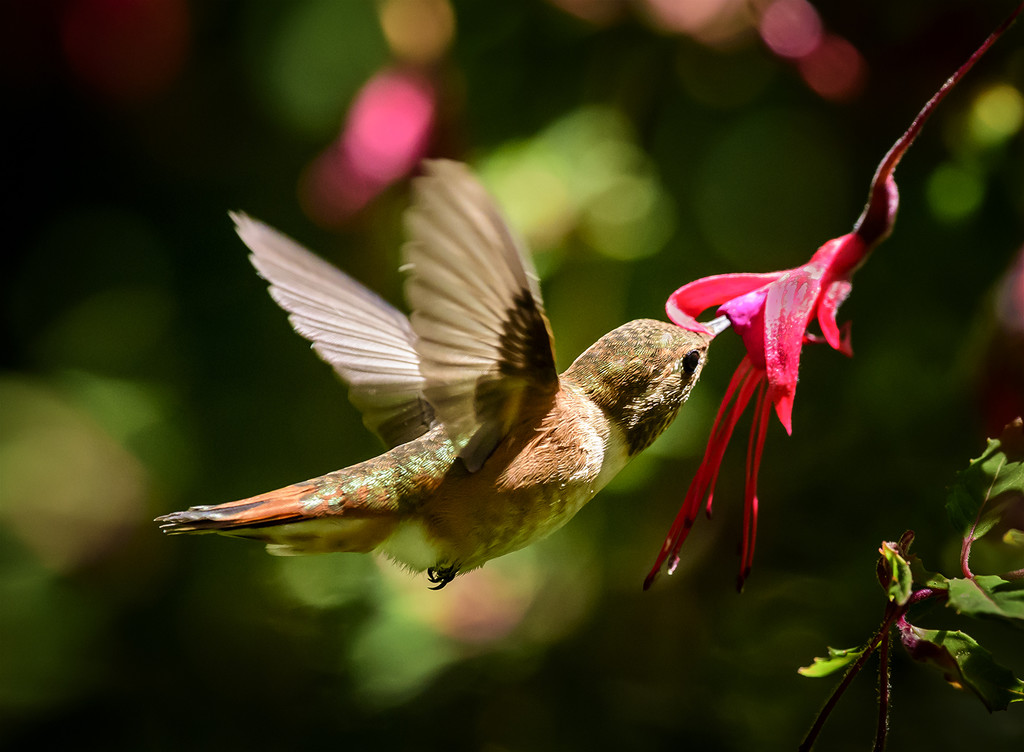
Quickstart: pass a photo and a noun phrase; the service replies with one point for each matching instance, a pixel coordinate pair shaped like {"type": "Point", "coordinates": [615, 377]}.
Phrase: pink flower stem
{"type": "Point", "coordinates": [965, 555]}
{"type": "Point", "coordinates": [875, 224]}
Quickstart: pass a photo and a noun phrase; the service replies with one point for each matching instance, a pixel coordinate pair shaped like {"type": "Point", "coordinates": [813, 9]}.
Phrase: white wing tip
{"type": "Point", "coordinates": [436, 166]}
{"type": "Point", "coordinates": [247, 227]}
{"type": "Point", "coordinates": [263, 240]}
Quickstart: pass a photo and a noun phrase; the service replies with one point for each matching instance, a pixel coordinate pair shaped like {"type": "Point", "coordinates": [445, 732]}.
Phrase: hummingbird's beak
{"type": "Point", "coordinates": [717, 326]}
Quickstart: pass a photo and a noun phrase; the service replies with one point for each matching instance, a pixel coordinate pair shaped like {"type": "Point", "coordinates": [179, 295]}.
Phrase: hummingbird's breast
{"type": "Point", "coordinates": [536, 480]}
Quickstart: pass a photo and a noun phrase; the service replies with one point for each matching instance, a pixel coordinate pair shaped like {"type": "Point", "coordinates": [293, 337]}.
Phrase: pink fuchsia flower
{"type": "Point", "coordinates": [772, 312]}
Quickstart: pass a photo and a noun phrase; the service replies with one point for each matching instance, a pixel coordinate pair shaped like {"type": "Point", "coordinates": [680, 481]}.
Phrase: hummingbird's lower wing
{"type": "Point", "coordinates": [368, 341]}
{"type": "Point", "coordinates": [484, 342]}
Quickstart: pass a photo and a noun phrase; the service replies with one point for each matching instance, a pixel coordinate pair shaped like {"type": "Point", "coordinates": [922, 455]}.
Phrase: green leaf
{"type": "Point", "coordinates": [965, 664]}
{"type": "Point", "coordinates": [1014, 537]}
{"type": "Point", "coordinates": [924, 577]}
{"type": "Point", "coordinates": [988, 595]}
{"type": "Point", "coordinates": [836, 660]}
{"type": "Point", "coordinates": [982, 491]}
{"type": "Point", "coordinates": [895, 573]}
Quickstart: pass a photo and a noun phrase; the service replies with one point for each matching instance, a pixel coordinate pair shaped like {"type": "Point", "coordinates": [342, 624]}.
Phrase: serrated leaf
{"type": "Point", "coordinates": [965, 664]}
{"type": "Point", "coordinates": [988, 595]}
{"type": "Point", "coordinates": [898, 580]}
{"type": "Point", "coordinates": [835, 661]}
{"type": "Point", "coordinates": [989, 483]}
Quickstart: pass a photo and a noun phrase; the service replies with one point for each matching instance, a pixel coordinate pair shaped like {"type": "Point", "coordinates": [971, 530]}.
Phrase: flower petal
{"type": "Point", "coordinates": [746, 315]}
{"type": "Point", "coordinates": [828, 305]}
{"type": "Point", "coordinates": [788, 308]}
{"type": "Point", "coordinates": [685, 320]}
{"type": "Point", "coordinates": [697, 296]}
{"type": "Point", "coordinates": [845, 344]}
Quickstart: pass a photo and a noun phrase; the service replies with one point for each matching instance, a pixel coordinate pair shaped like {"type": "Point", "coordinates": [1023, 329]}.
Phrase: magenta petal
{"type": "Point", "coordinates": [746, 315]}
{"type": "Point", "coordinates": [788, 310]}
{"type": "Point", "coordinates": [828, 305]}
{"type": "Point", "coordinates": [841, 256]}
{"type": "Point", "coordinates": [782, 398]}
{"type": "Point", "coordinates": [845, 340]}
{"type": "Point", "coordinates": [697, 296]}
{"type": "Point", "coordinates": [685, 320]}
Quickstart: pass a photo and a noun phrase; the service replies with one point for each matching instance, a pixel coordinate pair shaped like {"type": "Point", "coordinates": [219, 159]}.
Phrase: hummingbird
{"type": "Point", "coordinates": [490, 449]}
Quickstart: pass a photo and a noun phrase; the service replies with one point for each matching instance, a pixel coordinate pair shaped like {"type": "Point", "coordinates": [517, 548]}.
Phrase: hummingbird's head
{"type": "Point", "coordinates": [640, 374]}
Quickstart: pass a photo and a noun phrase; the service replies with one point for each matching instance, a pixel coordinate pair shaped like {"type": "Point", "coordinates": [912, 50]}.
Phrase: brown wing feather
{"type": "Point", "coordinates": [484, 342]}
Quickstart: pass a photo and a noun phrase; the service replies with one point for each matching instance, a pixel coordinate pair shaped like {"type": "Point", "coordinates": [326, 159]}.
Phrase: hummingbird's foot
{"type": "Point", "coordinates": [441, 576]}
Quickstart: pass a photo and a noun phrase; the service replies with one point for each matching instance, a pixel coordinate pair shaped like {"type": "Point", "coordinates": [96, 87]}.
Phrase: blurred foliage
{"type": "Point", "coordinates": [638, 145]}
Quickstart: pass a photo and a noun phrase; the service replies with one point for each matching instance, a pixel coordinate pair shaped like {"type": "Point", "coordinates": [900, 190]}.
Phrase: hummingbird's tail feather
{"type": "Point", "coordinates": [273, 508]}
{"type": "Point", "coordinates": [292, 520]}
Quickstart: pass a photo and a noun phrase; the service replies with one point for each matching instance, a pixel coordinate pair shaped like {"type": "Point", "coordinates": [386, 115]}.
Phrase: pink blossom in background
{"type": "Point", "coordinates": [389, 125]}
{"type": "Point", "coordinates": [829, 64]}
{"type": "Point", "coordinates": [386, 133]}
{"type": "Point", "coordinates": [791, 28]}
{"type": "Point", "coordinates": [834, 69]}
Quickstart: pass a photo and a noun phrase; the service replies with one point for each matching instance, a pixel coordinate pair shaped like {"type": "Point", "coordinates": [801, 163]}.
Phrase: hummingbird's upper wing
{"type": "Point", "coordinates": [367, 341]}
{"type": "Point", "coordinates": [484, 342]}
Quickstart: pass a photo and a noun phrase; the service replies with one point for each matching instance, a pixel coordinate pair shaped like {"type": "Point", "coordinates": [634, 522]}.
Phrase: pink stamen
{"type": "Point", "coordinates": [744, 383]}
{"type": "Point", "coordinates": [758, 432]}
{"type": "Point", "coordinates": [748, 378]}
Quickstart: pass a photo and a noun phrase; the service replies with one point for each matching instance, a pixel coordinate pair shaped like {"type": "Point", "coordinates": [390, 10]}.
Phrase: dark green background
{"type": "Point", "coordinates": [145, 369]}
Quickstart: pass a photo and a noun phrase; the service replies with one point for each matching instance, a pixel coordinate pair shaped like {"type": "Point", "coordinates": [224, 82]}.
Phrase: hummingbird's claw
{"type": "Point", "coordinates": [441, 576]}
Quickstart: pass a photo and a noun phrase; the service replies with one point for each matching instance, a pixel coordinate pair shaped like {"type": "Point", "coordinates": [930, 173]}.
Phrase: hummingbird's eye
{"type": "Point", "coordinates": [690, 361]}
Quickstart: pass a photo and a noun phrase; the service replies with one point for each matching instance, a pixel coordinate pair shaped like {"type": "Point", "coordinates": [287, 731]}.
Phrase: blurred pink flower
{"type": "Point", "coordinates": [386, 133]}
{"type": "Point", "coordinates": [828, 63]}
{"type": "Point", "coordinates": [389, 125]}
{"type": "Point", "coordinates": [771, 312]}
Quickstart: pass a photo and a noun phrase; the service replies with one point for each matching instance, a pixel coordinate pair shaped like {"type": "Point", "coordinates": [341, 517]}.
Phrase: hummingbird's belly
{"type": "Point", "coordinates": [420, 545]}
{"type": "Point", "coordinates": [493, 512]}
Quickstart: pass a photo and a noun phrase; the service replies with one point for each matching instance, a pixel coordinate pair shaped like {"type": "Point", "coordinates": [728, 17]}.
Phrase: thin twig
{"type": "Point", "coordinates": [892, 613]}
{"type": "Point", "coordinates": [884, 690]}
